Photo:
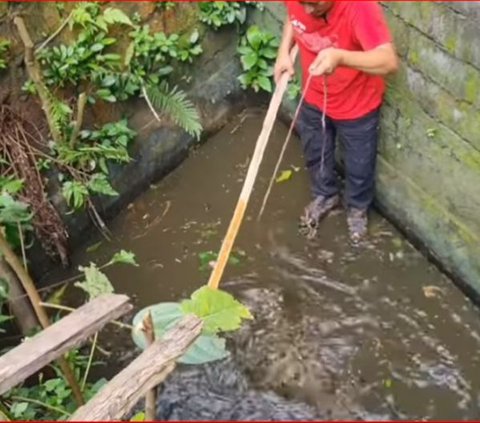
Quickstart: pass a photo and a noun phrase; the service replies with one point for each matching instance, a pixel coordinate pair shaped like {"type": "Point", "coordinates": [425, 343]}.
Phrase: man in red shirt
{"type": "Point", "coordinates": [347, 48]}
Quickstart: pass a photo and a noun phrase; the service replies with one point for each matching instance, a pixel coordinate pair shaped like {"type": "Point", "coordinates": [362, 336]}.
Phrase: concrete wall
{"type": "Point", "coordinates": [158, 147]}
{"type": "Point", "coordinates": [428, 177]}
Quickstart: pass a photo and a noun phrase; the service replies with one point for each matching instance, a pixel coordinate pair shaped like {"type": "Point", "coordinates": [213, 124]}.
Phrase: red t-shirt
{"type": "Point", "coordinates": [349, 25]}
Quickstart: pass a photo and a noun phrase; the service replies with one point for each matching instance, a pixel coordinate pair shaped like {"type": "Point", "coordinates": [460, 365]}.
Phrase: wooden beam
{"type": "Point", "coordinates": [36, 352]}
{"type": "Point", "coordinates": [148, 370]}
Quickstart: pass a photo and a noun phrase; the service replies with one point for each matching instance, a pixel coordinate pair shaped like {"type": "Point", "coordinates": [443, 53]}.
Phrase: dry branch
{"type": "Point", "coordinates": [35, 74]}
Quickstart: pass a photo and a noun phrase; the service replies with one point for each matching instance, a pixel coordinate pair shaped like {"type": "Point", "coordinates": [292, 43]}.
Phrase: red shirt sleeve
{"type": "Point", "coordinates": [370, 27]}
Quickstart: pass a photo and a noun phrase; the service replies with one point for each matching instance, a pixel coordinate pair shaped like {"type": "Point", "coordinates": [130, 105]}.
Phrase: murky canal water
{"type": "Point", "coordinates": [376, 332]}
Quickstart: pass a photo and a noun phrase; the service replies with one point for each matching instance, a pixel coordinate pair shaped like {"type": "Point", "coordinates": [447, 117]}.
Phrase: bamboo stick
{"type": "Point", "coordinates": [242, 203]}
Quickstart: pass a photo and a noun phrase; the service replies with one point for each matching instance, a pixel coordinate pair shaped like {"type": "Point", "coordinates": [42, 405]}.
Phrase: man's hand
{"type": "Point", "coordinates": [283, 64]}
{"type": "Point", "coordinates": [326, 62]}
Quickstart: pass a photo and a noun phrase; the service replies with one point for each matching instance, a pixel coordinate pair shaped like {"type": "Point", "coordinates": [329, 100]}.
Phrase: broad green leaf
{"type": "Point", "coordinates": [205, 349]}
{"type": "Point", "coordinates": [96, 283]}
{"type": "Point", "coordinates": [249, 60]}
{"type": "Point", "coordinates": [285, 175]}
{"type": "Point", "coordinates": [13, 211]}
{"type": "Point", "coordinates": [125, 257]}
{"type": "Point", "coordinates": [108, 81]}
{"type": "Point", "coordinates": [113, 16]}
{"type": "Point", "coordinates": [18, 408]}
{"type": "Point", "coordinates": [218, 309]}
{"type": "Point", "coordinates": [11, 185]}
{"type": "Point", "coordinates": [254, 36]}
{"type": "Point", "coordinates": [265, 83]}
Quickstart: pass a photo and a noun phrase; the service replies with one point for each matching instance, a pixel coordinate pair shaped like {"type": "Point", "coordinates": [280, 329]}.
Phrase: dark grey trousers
{"type": "Point", "coordinates": [359, 138]}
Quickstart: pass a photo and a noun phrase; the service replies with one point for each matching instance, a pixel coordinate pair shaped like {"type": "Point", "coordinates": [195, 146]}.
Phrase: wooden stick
{"type": "Point", "coordinates": [29, 287]}
{"type": "Point", "coordinates": [82, 101]}
{"type": "Point", "coordinates": [35, 73]}
{"type": "Point", "coordinates": [150, 397]}
{"type": "Point", "coordinates": [149, 369]}
{"type": "Point", "coordinates": [69, 332]}
{"type": "Point", "coordinates": [242, 203]}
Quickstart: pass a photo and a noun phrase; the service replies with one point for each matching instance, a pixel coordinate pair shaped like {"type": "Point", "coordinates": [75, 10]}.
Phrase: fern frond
{"type": "Point", "coordinates": [175, 105]}
{"type": "Point", "coordinates": [60, 112]}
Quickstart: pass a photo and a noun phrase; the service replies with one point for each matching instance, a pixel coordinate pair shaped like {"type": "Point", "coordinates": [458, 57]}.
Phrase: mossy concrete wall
{"type": "Point", "coordinates": [212, 85]}
{"type": "Point", "coordinates": [428, 177]}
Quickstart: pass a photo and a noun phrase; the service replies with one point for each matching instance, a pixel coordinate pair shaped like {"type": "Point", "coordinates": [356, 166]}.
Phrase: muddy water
{"type": "Point", "coordinates": [376, 332]}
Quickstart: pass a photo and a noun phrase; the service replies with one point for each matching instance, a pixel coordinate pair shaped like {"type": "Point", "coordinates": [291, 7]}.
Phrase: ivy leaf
{"type": "Point", "coordinates": [100, 185]}
{"type": "Point", "coordinates": [284, 176]}
{"type": "Point", "coordinates": [125, 257]}
{"type": "Point", "coordinates": [218, 309]}
{"type": "Point", "coordinates": [96, 283]}
{"type": "Point", "coordinates": [113, 16]}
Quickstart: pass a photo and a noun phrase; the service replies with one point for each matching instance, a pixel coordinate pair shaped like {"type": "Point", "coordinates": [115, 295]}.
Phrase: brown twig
{"type": "Point", "coordinates": [82, 101]}
{"type": "Point", "coordinates": [59, 29]}
{"type": "Point", "coordinates": [29, 286]}
{"type": "Point", "coordinates": [35, 74]}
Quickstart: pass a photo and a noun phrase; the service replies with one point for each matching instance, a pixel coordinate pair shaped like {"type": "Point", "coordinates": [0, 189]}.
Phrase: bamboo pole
{"type": "Point", "coordinates": [150, 397]}
{"type": "Point", "coordinates": [29, 287]}
{"type": "Point", "coordinates": [257, 157]}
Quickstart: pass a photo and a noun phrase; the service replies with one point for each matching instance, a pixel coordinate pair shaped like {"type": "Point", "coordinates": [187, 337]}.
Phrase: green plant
{"type": "Point", "coordinates": [165, 5]}
{"type": "Point", "coordinates": [217, 14]}
{"type": "Point", "coordinates": [89, 159]}
{"type": "Point", "coordinates": [51, 398]}
{"type": "Point", "coordinates": [219, 311]}
{"type": "Point", "coordinates": [174, 103]}
{"type": "Point", "coordinates": [220, 13]}
{"type": "Point", "coordinates": [294, 88]}
{"type": "Point", "coordinates": [15, 215]}
{"type": "Point", "coordinates": [257, 50]}
{"type": "Point", "coordinates": [4, 46]}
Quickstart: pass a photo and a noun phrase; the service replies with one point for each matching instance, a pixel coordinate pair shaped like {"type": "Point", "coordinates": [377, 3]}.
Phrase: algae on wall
{"type": "Point", "coordinates": [428, 174]}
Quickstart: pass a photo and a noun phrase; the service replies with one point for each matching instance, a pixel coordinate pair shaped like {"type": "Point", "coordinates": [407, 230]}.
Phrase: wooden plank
{"type": "Point", "coordinates": [149, 369]}
{"type": "Point", "coordinates": [36, 352]}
